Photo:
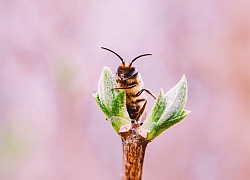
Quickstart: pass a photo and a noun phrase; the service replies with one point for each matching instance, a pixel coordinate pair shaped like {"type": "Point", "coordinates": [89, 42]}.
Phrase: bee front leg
{"type": "Point", "coordinates": [128, 87]}
{"type": "Point", "coordinates": [148, 91]}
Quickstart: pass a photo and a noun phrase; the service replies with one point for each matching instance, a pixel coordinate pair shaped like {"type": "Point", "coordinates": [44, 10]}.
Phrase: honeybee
{"type": "Point", "coordinates": [129, 79]}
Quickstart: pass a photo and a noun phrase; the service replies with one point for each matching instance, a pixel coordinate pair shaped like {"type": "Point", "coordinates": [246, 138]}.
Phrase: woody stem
{"type": "Point", "coordinates": [134, 147]}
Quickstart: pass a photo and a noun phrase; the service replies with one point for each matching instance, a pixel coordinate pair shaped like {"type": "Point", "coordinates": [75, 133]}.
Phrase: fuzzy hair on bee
{"type": "Point", "coordinates": [129, 79]}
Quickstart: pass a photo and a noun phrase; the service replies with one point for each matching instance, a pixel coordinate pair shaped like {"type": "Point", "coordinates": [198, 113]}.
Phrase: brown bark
{"type": "Point", "coordinates": [134, 146]}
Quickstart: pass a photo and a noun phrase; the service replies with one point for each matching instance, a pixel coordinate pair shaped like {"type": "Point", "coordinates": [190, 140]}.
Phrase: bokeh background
{"type": "Point", "coordinates": [50, 62]}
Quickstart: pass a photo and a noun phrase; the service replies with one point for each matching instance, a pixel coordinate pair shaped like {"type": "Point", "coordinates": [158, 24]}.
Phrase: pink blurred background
{"type": "Point", "coordinates": [52, 129]}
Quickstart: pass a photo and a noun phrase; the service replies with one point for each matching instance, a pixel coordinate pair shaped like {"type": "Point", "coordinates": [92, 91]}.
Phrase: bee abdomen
{"type": "Point", "coordinates": [134, 106]}
{"type": "Point", "coordinates": [138, 100]}
{"type": "Point", "coordinates": [133, 111]}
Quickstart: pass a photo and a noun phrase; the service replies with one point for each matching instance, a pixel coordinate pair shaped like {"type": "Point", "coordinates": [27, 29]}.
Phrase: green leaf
{"type": "Point", "coordinates": [119, 106]}
{"type": "Point", "coordinates": [111, 101]}
{"type": "Point", "coordinates": [175, 101]}
{"type": "Point", "coordinates": [152, 129]}
{"type": "Point", "coordinates": [158, 108]}
{"type": "Point", "coordinates": [167, 110]}
{"type": "Point", "coordinates": [118, 122]}
{"type": "Point", "coordinates": [105, 88]}
{"type": "Point", "coordinates": [167, 124]}
{"type": "Point", "coordinates": [103, 108]}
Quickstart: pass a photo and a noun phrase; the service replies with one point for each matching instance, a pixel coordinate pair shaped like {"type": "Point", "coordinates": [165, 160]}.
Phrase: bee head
{"type": "Point", "coordinates": [126, 70]}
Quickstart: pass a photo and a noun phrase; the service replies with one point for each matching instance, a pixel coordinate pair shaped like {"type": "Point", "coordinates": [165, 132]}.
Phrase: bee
{"type": "Point", "coordinates": [129, 79]}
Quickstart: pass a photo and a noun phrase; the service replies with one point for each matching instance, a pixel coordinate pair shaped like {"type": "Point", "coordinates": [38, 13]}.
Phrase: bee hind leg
{"type": "Point", "coordinates": [135, 122]}
{"type": "Point", "coordinates": [141, 112]}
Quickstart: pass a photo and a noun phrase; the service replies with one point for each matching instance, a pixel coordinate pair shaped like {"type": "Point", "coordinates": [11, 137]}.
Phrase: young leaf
{"type": "Point", "coordinates": [152, 128]}
{"type": "Point", "coordinates": [105, 88]}
{"type": "Point", "coordinates": [168, 110]}
{"type": "Point", "coordinates": [119, 106]}
{"type": "Point", "coordinates": [118, 122]}
{"type": "Point", "coordinates": [175, 101]}
{"type": "Point", "coordinates": [167, 124]}
{"type": "Point", "coordinates": [103, 108]}
{"type": "Point", "coordinates": [158, 108]}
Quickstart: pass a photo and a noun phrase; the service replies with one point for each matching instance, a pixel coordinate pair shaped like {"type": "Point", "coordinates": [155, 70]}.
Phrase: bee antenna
{"type": "Point", "coordinates": [115, 54]}
{"type": "Point", "coordinates": [137, 58]}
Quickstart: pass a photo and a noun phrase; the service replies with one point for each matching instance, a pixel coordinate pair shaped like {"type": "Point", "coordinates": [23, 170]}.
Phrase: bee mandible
{"type": "Point", "coordinates": [129, 79]}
